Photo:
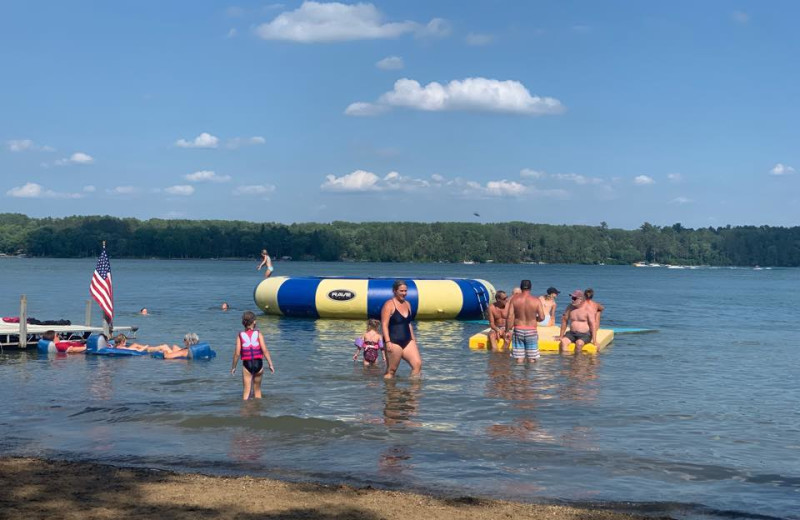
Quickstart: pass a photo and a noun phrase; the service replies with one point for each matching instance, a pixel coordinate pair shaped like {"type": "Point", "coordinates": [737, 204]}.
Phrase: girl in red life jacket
{"type": "Point", "coordinates": [252, 348]}
{"type": "Point", "coordinates": [371, 342]}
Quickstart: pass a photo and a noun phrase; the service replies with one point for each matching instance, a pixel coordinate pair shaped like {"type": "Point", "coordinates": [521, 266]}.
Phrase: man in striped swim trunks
{"type": "Point", "coordinates": [524, 313]}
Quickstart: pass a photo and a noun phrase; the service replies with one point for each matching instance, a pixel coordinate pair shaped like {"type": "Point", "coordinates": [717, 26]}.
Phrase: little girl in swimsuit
{"type": "Point", "coordinates": [371, 342]}
{"type": "Point", "coordinates": [252, 348]}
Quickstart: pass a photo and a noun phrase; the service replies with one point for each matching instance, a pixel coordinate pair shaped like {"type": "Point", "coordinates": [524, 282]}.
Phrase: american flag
{"type": "Point", "coordinates": [100, 288]}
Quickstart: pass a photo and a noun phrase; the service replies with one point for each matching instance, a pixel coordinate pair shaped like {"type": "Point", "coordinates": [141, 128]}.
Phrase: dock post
{"type": "Point", "coordinates": [23, 321]}
{"type": "Point", "coordinates": [88, 321]}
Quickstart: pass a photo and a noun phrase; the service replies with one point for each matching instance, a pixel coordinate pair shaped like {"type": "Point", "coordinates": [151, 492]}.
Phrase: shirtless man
{"type": "Point", "coordinates": [549, 304]}
{"type": "Point", "coordinates": [599, 307]}
{"type": "Point", "coordinates": [524, 312]}
{"type": "Point", "coordinates": [582, 319]}
{"type": "Point", "coordinates": [497, 320]}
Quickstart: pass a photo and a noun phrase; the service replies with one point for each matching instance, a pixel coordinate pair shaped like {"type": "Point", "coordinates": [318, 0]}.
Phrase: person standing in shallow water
{"type": "Point", "coordinates": [398, 334]}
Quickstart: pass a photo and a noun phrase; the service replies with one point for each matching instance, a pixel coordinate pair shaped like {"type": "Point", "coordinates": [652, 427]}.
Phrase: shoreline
{"type": "Point", "coordinates": [46, 488]}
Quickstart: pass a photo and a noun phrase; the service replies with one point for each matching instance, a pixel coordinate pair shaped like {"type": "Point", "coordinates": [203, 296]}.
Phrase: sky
{"type": "Point", "coordinates": [561, 112]}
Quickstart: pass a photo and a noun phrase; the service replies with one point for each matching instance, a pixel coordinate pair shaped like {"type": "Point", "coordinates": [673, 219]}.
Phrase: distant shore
{"type": "Point", "coordinates": [37, 488]}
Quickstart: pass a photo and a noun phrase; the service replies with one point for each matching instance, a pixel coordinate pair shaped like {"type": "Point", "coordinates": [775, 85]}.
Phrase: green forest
{"type": "Point", "coordinates": [510, 242]}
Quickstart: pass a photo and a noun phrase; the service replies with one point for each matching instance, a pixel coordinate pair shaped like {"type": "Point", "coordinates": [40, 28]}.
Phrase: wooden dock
{"type": "Point", "coordinates": [23, 334]}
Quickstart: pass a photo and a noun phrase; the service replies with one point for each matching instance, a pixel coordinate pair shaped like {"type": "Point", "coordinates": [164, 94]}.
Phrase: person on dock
{"type": "Point", "coordinates": [371, 343]}
{"type": "Point", "coordinates": [549, 304]}
{"type": "Point", "coordinates": [175, 351]}
{"type": "Point", "coordinates": [398, 334]}
{"type": "Point", "coordinates": [599, 307]}
{"type": "Point", "coordinates": [62, 346]}
{"type": "Point", "coordinates": [252, 349]}
{"type": "Point", "coordinates": [498, 312]}
{"type": "Point", "coordinates": [582, 320]}
{"type": "Point", "coordinates": [266, 261]}
{"type": "Point", "coordinates": [524, 314]}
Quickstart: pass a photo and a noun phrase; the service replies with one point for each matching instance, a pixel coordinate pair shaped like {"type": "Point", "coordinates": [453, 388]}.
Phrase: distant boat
{"type": "Point", "coordinates": [640, 264]}
{"type": "Point", "coordinates": [676, 267]}
{"type": "Point", "coordinates": [653, 265]}
{"type": "Point", "coordinates": [468, 262]}
{"type": "Point", "coordinates": [758, 268]}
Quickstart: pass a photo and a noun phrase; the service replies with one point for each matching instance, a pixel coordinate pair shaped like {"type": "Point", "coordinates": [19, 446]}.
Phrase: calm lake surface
{"type": "Point", "coordinates": [700, 418]}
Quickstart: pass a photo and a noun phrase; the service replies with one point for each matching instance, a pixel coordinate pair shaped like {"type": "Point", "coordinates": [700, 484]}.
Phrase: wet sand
{"type": "Point", "coordinates": [34, 488]}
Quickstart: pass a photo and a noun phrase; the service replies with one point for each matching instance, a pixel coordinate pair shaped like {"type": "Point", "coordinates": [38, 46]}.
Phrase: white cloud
{"type": "Point", "coordinates": [122, 190]}
{"type": "Point", "coordinates": [318, 22]}
{"type": "Point", "coordinates": [76, 158]}
{"type": "Point", "coordinates": [182, 189]}
{"type": "Point", "coordinates": [532, 174]}
{"type": "Point", "coordinates": [206, 176]}
{"type": "Point", "coordinates": [477, 39]}
{"type": "Point", "coordinates": [436, 28]}
{"type": "Point", "coordinates": [31, 190]}
{"type": "Point", "coordinates": [254, 189]}
{"type": "Point", "coordinates": [391, 63]}
{"type": "Point", "coordinates": [781, 169]}
{"type": "Point", "coordinates": [238, 142]}
{"type": "Point", "coordinates": [361, 181]}
{"type": "Point", "coordinates": [232, 33]}
{"type": "Point", "coordinates": [358, 180]}
{"type": "Point", "coordinates": [680, 200]}
{"type": "Point", "coordinates": [89, 189]}
{"type": "Point", "coordinates": [643, 180]}
{"type": "Point", "coordinates": [470, 94]}
{"type": "Point", "coordinates": [740, 17]}
{"type": "Point", "coordinates": [204, 140]}
{"type": "Point", "coordinates": [27, 145]}
{"type": "Point", "coordinates": [577, 179]}
{"type": "Point", "coordinates": [365, 109]}
{"type": "Point", "coordinates": [675, 177]}
{"type": "Point", "coordinates": [506, 188]}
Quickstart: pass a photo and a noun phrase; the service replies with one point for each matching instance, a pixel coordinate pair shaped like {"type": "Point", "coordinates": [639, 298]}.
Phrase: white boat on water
{"type": "Point", "coordinates": [676, 267]}
{"type": "Point", "coordinates": [653, 265]}
{"type": "Point", "coordinates": [640, 264]}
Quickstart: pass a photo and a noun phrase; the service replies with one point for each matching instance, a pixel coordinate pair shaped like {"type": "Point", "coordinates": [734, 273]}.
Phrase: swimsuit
{"type": "Point", "coordinates": [526, 343]}
{"type": "Point", "coordinates": [251, 351]}
{"type": "Point", "coordinates": [371, 349]}
{"type": "Point", "coordinates": [400, 327]}
{"type": "Point", "coordinates": [575, 336]}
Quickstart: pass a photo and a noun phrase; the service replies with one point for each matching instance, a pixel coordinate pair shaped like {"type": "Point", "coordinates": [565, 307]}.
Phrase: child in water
{"type": "Point", "coordinates": [371, 342]}
{"type": "Point", "coordinates": [252, 348]}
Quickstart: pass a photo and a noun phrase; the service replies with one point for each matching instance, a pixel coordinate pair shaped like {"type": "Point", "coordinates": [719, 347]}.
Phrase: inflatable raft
{"type": "Point", "coordinates": [548, 341]}
{"type": "Point", "coordinates": [360, 298]}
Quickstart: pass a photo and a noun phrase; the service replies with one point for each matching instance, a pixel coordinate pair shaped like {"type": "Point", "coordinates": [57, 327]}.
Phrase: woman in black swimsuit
{"type": "Point", "coordinates": [398, 333]}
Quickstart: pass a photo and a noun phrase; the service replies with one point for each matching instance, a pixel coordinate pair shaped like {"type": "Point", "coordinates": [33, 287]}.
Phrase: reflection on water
{"type": "Point", "coordinates": [247, 444]}
{"type": "Point", "coordinates": [580, 374]}
{"type": "Point", "coordinates": [402, 402]}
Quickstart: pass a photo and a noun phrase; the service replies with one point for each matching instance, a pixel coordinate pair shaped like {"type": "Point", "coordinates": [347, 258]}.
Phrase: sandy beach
{"type": "Point", "coordinates": [34, 488]}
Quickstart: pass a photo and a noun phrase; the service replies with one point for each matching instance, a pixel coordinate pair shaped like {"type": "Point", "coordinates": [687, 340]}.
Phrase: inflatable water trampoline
{"type": "Point", "coordinates": [360, 298]}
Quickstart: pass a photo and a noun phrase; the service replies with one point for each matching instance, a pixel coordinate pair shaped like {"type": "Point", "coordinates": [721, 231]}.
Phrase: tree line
{"type": "Point", "coordinates": [509, 242]}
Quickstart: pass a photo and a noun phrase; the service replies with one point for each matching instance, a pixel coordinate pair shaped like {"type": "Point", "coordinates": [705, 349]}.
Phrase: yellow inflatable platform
{"type": "Point", "coordinates": [548, 341]}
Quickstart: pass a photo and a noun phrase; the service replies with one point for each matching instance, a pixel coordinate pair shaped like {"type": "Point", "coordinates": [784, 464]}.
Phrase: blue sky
{"type": "Point", "coordinates": [556, 112]}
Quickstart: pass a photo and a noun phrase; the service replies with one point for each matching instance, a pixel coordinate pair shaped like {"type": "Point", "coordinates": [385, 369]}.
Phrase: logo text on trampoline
{"type": "Point", "coordinates": [341, 295]}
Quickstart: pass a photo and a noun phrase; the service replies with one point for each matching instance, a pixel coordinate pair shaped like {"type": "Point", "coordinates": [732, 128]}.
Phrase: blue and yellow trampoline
{"type": "Point", "coordinates": [360, 298]}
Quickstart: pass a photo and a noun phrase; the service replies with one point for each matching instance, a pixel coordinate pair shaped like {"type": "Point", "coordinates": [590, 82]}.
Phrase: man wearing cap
{"type": "Point", "coordinates": [497, 320]}
{"type": "Point", "coordinates": [582, 319]}
{"type": "Point", "coordinates": [549, 304]}
{"type": "Point", "coordinates": [524, 313]}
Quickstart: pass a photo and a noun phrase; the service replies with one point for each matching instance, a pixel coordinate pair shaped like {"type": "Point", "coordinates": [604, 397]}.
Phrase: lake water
{"type": "Point", "coordinates": [699, 419]}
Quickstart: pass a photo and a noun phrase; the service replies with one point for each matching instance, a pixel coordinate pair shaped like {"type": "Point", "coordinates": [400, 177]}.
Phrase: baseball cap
{"type": "Point", "coordinates": [553, 290]}
{"type": "Point", "coordinates": [577, 293]}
